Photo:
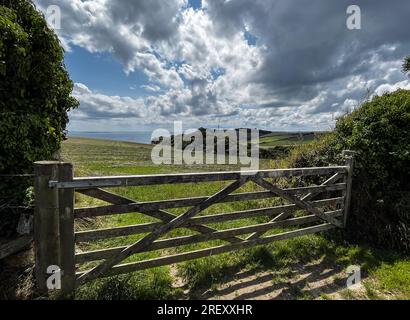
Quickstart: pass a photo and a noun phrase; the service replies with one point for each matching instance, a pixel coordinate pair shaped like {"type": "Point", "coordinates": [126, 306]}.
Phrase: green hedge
{"type": "Point", "coordinates": [379, 131]}
{"type": "Point", "coordinates": [35, 96]}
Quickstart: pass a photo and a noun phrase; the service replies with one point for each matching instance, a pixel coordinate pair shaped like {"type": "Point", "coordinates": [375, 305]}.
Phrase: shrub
{"type": "Point", "coordinates": [379, 131]}
{"type": "Point", "coordinates": [275, 152]}
{"type": "Point", "coordinates": [406, 64]}
{"type": "Point", "coordinates": [34, 97]}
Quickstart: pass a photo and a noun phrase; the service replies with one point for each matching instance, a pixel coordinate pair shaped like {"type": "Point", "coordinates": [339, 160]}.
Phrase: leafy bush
{"type": "Point", "coordinates": [34, 96]}
{"type": "Point", "coordinates": [379, 131]}
{"type": "Point", "coordinates": [406, 64]}
{"type": "Point", "coordinates": [274, 152]}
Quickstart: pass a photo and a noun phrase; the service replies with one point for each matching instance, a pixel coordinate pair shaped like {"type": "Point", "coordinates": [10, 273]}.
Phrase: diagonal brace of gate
{"type": "Point", "coordinates": [150, 238]}
{"type": "Point", "coordinates": [158, 214]}
{"type": "Point", "coordinates": [300, 203]}
{"type": "Point", "coordinates": [306, 197]}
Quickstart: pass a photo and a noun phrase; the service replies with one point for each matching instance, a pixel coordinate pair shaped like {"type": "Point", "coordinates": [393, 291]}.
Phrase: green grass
{"type": "Point", "coordinates": [284, 139]}
{"type": "Point", "coordinates": [148, 284]}
{"type": "Point", "coordinates": [394, 278]}
{"type": "Point", "coordinates": [98, 157]}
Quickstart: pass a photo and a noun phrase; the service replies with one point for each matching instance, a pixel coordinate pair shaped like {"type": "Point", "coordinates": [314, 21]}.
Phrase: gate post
{"type": "Point", "coordinates": [67, 241]}
{"type": "Point", "coordinates": [349, 160]}
{"type": "Point", "coordinates": [46, 221]}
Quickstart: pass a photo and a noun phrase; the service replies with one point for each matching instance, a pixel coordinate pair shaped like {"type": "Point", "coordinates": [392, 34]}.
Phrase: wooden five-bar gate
{"type": "Point", "coordinates": [55, 215]}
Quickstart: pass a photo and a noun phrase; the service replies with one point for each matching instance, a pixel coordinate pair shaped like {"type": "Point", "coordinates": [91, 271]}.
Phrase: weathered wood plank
{"type": "Point", "coordinates": [217, 235]}
{"type": "Point", "coordinates": [176, 203]}
{"type": "Point", "coordinates": [149, 206]}
{"type": "Point", "coordinates": [143, 180]}
{"type": "Point", "coordinates": [159, 214]}
{"type": "Point", "coordinates": [181, 202]}
{"type": "Point", "coordinates": [15, 245]}
{"type": "Point", "coordinates": [285, 215]}
{"type": "Point", "coordinates": [67, 242]}
{"type": "Point", "coordinates": [46, 221]}
{"type": "Point", "coordinates": [106, 196]}
{"type": "Point", "coordinates": [349, 155]}
{"type": "Point", "coordinates": [329, 181]}
{"type": "Point", "coordinates": [280, 217]}
{"type": "Point", "coordinates": [135, 266]}
{"type": "Point", "coordinates": [300, 203]}
{"type": "Point", "coordinates": [154, 235]}
{"type": "Point", "coordinates": [91, 235]}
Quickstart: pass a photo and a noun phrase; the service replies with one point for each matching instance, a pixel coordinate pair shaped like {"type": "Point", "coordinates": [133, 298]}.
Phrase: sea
{"type": "Point", "coordinates": [129, 136]}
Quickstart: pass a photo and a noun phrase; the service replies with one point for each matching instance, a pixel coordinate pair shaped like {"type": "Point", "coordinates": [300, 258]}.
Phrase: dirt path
{"type": "Point", "coordinates": [310, 281]}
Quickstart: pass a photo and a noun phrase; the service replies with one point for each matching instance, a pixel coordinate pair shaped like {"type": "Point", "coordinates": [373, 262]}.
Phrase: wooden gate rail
{"type": "Point", "coordinates": [162, 261]}
{"type": "Point", "coordinates": [198, 238]}
{"type": "Point", "coordinates": [154, 205]}
{"type": "Point", "coordinates": [55, 213]}
{"type": "Point", "coordinates": [156, 179]}
{"type": "Point", "coordinates": [90, 235]}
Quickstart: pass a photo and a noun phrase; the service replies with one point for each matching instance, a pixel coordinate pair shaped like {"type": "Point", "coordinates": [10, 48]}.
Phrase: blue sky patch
{"type": "Point", "coordinates": [103, 73]}
{"type": "Point", "coordinates": [195, 4]}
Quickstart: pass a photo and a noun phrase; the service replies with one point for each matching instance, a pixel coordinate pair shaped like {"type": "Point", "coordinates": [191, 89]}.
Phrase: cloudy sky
{"type": "Point", "coordinates": [278, 64]}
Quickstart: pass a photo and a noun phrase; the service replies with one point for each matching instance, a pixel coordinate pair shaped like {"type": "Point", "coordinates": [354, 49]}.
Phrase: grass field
{"type": "Point", "coordinates": [285, 139]}
{"type": "Point", "coordinates": [387, 274]}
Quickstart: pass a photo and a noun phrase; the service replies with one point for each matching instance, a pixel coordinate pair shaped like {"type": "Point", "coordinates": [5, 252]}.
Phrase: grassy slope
{"type": "Point", "coordinates": [284, 139]}
{"type": "Point", "coordinates": [98, 157]}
